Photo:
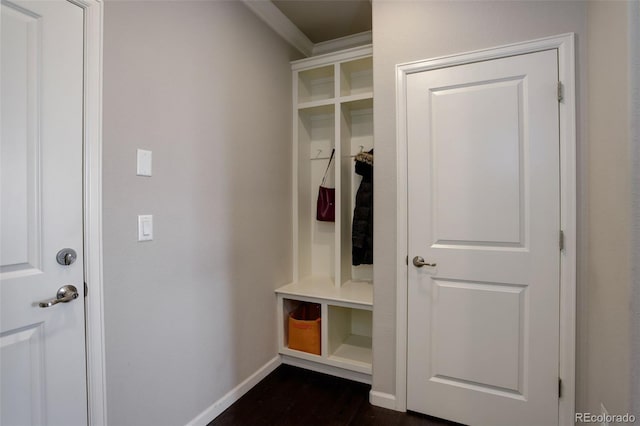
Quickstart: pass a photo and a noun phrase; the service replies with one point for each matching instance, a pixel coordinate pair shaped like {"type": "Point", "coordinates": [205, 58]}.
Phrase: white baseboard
{"type": "Point", "coordinates": [384, 400]}
{"type": "Point", "coordinates": [234, 394]}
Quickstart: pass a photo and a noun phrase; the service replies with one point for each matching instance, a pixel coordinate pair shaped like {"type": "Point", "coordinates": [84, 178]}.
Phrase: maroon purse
{"type": "Point", "coordinates": [326, 208]}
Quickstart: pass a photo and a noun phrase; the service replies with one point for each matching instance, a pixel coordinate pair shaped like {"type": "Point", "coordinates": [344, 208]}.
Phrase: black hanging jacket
{"type": "Point", "coordinates": [362, 230]}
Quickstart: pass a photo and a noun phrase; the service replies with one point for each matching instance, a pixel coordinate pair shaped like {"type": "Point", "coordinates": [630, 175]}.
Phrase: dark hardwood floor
{"type": "Point", "coordinates": [293, 396]}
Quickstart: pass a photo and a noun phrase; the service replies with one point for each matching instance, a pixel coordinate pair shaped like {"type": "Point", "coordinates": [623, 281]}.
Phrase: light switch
{"type": "Point", "coordinates": [144, 163]}
{"type": "Point", "coordinates": [145, 227]}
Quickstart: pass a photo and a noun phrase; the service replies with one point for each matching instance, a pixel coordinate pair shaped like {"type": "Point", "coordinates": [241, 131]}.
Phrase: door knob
{"type": "Point", "coordinates": [66, 256]}
{"type": "Point", "coordinates": [419, 262]}
{"type": "Point", "coordinates": [65, 294]}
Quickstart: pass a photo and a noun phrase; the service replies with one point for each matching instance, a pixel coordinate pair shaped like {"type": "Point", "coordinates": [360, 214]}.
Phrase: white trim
{"type": "Point", "coordinates": [566, 68]}
{"type": "Point", "coordinates": [568, 224]}
{"type": "Point", "coordinates": [94, 315]}
{"type": "Point", "coordinates": [381, 399]}
{"type": "Point", "coordinates": [342, 56]}
{"type": "Point", "coordinates": [342, 43]}
{"type": "Point", "coordinates": [402, 271]}
{"type": "Point", "coordinates": [278, 22]}
{"type": "Point", "coordinates": [234, 394]}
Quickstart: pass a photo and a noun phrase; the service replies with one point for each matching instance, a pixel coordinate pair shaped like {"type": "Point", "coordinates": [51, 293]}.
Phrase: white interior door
{"type": "Point", "coordinates": [484, 208]}
{"type": "Point", "coordinates": [42, 349]}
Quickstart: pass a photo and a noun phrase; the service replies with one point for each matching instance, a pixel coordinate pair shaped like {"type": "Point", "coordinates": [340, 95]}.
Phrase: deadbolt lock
{"type": "Point", "coordinates": [66, 256]}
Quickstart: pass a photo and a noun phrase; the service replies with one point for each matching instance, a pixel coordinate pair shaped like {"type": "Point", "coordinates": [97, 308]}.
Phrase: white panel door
{"type": "Point", "coordinates": [42, 349]}
{"type": "Point", "coordinates": [483, 191]}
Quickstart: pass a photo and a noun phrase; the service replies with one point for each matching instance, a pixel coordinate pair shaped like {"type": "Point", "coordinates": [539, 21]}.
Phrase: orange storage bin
{"type": "Point", "coordinates": [304, 328]}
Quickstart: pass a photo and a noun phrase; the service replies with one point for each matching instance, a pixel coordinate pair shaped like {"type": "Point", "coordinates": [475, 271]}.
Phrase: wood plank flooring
{"type": "Point", "coordinates": [293, 396]}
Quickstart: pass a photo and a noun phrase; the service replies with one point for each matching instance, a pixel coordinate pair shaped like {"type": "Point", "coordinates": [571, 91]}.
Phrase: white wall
{"type": "Point", "coordinates": [207, 87]}
{"type": "Point", "coordinates": [405, 31]}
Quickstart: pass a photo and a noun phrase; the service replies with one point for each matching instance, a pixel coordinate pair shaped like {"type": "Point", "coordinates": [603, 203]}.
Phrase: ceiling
{"type": "Point", "coordinates": [322, 20]}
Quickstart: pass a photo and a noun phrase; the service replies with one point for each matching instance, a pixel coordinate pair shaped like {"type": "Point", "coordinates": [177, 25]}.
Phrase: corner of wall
{"type": "Point", "coordinates": [218, 407]}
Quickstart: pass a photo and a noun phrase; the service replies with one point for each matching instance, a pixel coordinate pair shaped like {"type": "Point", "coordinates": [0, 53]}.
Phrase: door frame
{"type": "Point", "coordinates": [565, 44]}
{"type": "Point", "coordinates": [92, 214]}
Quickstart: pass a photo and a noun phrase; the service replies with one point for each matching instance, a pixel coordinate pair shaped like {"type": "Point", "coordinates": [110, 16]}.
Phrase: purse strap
{"type": "Point", "coordinates": [328, 165]}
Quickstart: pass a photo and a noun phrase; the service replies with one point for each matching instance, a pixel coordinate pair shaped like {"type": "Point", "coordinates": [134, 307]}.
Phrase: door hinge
{"type": "Point", "coordinates": [406, 260]}
{"type": "Point", "coordinates": [559, 387]}
{"type": "Point", "coordinates": [560, 92]}
{"type": "Point", "coordinates": [86, 289]}
{"type": "Point", "coordinates": [561, 240]}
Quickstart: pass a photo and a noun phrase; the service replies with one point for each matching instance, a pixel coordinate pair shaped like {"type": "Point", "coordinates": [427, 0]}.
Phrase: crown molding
{"type": "Point", "coordinates": [338, 56]}
{"type": "Point", "coordinates": [277, 21]}
{"type": "Point", "coordinates": [354, 40]}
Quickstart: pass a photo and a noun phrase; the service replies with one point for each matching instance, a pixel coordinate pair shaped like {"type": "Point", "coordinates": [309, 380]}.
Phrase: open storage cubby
{"type": "Point", "coordinates": [315, 240]}
{"type": "Point", "coordinates": [333, 110]}
{"type": "Point", "coordinates": [356, 136]}
{"type": "Point", "coordinates": [349, 335]}
{"type": "Point", "coordinates": [356, 77]}
{"type": "Point", "coordinates": [289, 307]}
{"type": "Point", "coordinates": [316, 84]}
{"type": "Point", "coordinates": [346, 330]}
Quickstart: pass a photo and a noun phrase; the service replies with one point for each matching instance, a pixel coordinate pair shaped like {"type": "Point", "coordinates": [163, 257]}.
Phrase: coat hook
{"type": "Point", "coordinates": [318, 154]}
{"type": "Point", "coordinates": [361, 148]}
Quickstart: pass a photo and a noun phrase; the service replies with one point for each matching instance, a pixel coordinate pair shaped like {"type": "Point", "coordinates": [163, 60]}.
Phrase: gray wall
{"type": "Point", "coordinates": [405, 31]}
{"type": "Point", "coordinates": [634, 124]}
{"type": "Point", "coordinates": [606, 305]}
{"type": "Point", "coordinates": [207, 87]}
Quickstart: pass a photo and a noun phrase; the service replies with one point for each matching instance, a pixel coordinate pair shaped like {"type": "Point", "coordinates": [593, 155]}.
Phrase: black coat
{"type": "Point", "coordinates": [362, 230]}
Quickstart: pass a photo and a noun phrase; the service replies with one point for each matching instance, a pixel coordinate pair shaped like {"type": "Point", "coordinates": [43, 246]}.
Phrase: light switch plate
{"type": "Point", "coordinates": [145, 227]}
{"type": "Point", "coordinates": [144, 163]}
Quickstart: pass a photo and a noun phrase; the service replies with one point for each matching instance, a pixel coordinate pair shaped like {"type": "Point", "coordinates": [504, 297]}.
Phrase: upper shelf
{"type": "Point", "coordinates": [316, 84]}
{"type": "Point", "coordinates": [315, 104]}
{"type": "Point", "coordinates": [356, 77]}
{"type": "Point", "coordinates": [360, 101]}
{"type": "Point", "coordinates": [342, 81]}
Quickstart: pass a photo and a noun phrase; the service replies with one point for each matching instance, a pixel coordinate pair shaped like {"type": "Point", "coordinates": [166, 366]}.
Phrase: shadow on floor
{"type": "Point", "coordinates": [292, 396]}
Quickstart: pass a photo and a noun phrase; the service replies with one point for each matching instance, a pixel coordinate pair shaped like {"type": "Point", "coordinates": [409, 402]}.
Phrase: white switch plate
{"type": "Point", "coordinates": [144, 163]}
{"type": "Point", "coordinates": [145, 227]}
